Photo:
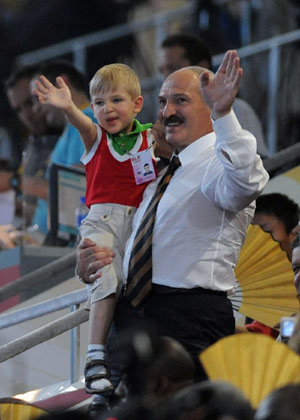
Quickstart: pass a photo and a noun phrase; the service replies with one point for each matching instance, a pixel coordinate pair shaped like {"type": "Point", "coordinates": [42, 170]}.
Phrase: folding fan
{"type": "Point", "coordinates": [255, 363]}
{"type": "Point", "coordinates": [14, 409]}
{"type": "Point", "coordinates": [265, 286]}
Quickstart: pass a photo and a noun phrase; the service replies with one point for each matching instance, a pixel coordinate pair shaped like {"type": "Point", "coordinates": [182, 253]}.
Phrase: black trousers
{"type": "Point", "coordinates": [195, 317]}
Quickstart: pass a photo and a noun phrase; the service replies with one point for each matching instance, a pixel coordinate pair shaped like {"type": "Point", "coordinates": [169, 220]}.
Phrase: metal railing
{"type": "Point", "coordinates": [273, 46]}
{"type": "Point", "coordinates": [37, 276]}
{"type": "Point", "coordinates": [52, 329]}
{"type": "Point", "coordinates": [72, 300]}
{"type": "Point", "coordinates": [78, 48]}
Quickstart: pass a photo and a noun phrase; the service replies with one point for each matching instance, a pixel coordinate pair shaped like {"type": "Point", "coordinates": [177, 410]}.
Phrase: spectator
{"type": "Point", "coordinates": [294, 341]}
{"type": "Point", "coordinates": [296, 262]}
{"type": "Point", "coordinates": [166, 368]}
{"type": "Point", "coordinates": [277, 214]}
{"type": "Point", "coordinates": [280, 404]}
{"type": "Point", "coordinates": [42, 136]}
{"type": "Point", "coordinates": [153, 370]}
{"type": "Point", "coordinates": [182, 50]}
{"type": "Point", "coordinates": [201, 218]}
{"type": "Point", "coordinates": [7, 193]}
{"type": "Point", "coordinates": [211, 400]}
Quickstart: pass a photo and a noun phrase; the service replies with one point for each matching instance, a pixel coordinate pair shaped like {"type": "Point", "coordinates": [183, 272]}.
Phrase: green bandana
{"type": "Point", "coordinates": [123, 143]}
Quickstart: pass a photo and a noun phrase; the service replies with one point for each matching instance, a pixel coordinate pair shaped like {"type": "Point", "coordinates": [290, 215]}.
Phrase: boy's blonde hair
{"type": "Point", "coordinates": [114, 76]}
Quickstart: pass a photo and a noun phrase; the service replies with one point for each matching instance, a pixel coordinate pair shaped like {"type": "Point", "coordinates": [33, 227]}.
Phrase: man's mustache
{"type": "Point", "coordinates": [172, 119]}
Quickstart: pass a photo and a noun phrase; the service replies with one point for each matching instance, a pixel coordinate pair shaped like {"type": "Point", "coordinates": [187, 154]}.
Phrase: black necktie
{"type": "Point", "coordinates": [139, 280]}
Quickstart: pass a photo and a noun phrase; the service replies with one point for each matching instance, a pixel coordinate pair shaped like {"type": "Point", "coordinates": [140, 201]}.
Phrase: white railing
{"type": "Point", "coordinates": [159, 22]}
{"type": "Point", "coordinates": [68, 322]}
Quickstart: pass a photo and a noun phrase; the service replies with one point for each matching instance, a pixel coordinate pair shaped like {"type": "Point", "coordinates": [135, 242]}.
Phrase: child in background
{"type": "Point", "coordinates": [116, 151]}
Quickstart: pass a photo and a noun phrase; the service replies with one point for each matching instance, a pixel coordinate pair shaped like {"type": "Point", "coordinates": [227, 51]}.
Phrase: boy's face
{"type": "Point", "coordinates": [115, 110]}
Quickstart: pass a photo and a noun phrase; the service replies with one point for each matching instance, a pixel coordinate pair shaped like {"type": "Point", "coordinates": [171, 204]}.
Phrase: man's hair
{"type": "Point", "coordinates": [54, 68]}
{"type": "Point", "coordinates": [194, 48]}
{"type": "Point", "coordinates": [114, 76]}
{"type": "Point", "coordinates": [212, 400]}
{"type": "Point", "coordinates": [281, 206]}
{"type": "Point", "coordinates": [20, 73]}
{"type": "Point", "coordinates": [173, 361]}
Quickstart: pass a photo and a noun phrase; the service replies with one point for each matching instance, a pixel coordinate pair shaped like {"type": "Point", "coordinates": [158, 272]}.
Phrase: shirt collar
{"type": "Point", "coordinates": [196, 148]}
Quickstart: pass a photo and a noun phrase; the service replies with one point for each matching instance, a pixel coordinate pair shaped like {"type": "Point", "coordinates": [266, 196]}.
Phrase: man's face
{"type": "Point", "coordinates": [171, 59]}
{"type": "Point", "coordinates": [21, 102]}
{"type": "Point", "coordinates": [182, 112]}
{"type": "Point", "coordinates": [296, 268]}
{"type": "Point", "coordinates": [270, 223]}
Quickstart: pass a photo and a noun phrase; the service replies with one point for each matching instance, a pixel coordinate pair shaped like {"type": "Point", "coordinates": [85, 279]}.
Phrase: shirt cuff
{"type": "Point", "coordinates": [227, 126]}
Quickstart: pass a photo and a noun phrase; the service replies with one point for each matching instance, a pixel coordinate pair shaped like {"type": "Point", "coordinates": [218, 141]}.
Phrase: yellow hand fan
{"type": "Point", "coordinates": [265, 280]}
{"type": "Point", "coordinates": [14, 409]}
{"type": "Point", "coordinates": [255, 363]}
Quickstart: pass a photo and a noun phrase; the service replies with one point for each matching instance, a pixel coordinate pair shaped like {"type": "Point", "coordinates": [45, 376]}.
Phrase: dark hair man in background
{"type": "Point", "coordinates": [43, 136]}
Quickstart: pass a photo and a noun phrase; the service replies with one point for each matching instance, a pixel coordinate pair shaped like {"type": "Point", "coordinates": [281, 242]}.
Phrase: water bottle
{"type": "Point", "coordinates": [81, 211]}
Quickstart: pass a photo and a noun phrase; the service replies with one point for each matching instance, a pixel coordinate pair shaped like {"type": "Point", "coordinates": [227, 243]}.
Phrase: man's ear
{"type": "Point", "coordinates": [204, 63]}
{"type": "Point", "coordinates": [138, 104]}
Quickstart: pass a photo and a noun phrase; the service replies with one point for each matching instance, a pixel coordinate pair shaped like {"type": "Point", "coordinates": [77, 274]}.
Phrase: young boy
{"type": "Point", "coordinates": [116, 151]}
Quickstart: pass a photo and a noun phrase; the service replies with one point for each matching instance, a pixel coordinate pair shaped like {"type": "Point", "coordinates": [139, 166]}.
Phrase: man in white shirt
{"type": "Point", "coordinates": [202, 218]}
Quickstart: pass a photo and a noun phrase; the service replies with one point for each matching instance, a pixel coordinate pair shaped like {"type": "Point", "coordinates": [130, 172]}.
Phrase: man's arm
{"type": "Point", "coordinates": [241, 176]}
{"type": "Point", "coordinates": [90, 258]}
{"type": "Point", "coordinates": [61, 98]}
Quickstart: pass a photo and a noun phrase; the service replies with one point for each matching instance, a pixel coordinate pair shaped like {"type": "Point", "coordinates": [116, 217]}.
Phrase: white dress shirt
{"type": "Point", "coordinates": [203, 216]}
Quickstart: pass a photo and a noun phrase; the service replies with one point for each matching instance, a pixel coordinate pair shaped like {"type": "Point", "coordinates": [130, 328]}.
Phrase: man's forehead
{"type": "Point", "coordinates": [180, 81]}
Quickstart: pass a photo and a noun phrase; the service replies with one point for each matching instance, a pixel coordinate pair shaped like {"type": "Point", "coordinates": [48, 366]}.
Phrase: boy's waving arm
{"type": "Point", "coordinates": [60, 97]}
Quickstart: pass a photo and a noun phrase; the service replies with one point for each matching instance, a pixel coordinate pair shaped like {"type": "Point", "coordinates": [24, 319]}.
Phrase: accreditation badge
{"type": "Point", "coordinates": [142, 166]}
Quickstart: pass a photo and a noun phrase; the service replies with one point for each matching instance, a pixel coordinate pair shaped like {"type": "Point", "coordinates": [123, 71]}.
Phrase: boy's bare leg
{"type": "Point", "coordinates": [96, 372]}
{"type": "Point", "coordinates": [101, 316]}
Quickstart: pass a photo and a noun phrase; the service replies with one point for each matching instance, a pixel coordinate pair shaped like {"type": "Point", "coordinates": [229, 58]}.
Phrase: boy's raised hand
{"type": "Point", "coordinates": [219, 92]}
{"type": "Point", "coordinates": [47, 93]}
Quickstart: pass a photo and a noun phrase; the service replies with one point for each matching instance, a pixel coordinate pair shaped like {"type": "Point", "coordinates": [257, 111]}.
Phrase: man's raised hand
{"type": "Point", "coordinates": [219, 92]}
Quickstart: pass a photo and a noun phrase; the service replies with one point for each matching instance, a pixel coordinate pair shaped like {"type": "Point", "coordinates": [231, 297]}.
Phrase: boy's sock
{"type": "Point", "coordinates": [97, 351]}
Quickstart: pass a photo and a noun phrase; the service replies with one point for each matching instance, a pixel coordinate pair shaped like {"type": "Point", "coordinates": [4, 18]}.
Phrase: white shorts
{"type": "Point", "coordinates": [108, 225]}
